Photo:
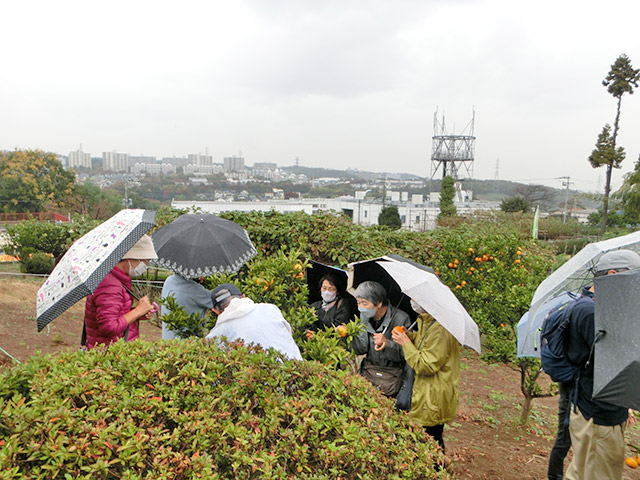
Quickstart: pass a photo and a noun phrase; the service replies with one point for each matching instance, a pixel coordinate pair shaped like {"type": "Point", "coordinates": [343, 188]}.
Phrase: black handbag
{"type": "Point", "coordinates": [403, 399]}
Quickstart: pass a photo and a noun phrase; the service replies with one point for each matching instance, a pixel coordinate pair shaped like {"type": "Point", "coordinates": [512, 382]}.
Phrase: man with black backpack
{"type": "Point", "coordinates": [596, 427]}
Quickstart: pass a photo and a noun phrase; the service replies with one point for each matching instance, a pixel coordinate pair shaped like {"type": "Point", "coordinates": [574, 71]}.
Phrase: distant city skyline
{"type": "Point", "coordinates": [350, 84]}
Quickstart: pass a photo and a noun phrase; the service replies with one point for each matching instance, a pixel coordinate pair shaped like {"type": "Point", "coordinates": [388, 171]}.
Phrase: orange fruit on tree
{"type": "Point", "coordinates": [484, 258]}
{"type": "Point", "coordinates": [517, 260]}
{"type": "Point", "coordinates": [470, 250]}
{"type": "Point", "coordinates": [342, 330]}
{"type": "Point", "coordinates": [450, 265]}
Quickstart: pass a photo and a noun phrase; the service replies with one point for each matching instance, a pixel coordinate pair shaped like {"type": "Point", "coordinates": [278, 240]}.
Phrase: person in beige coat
{"type": "Point", "coordinates": [434, 354]}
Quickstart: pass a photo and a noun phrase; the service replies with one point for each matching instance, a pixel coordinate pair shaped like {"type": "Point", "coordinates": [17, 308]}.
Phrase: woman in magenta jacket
{"type": "Point", "coordinates": [108, 313]}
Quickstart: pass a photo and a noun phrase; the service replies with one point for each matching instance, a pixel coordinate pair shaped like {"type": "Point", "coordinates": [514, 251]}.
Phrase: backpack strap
{"type": "Point", "coordinates": [574, 392]}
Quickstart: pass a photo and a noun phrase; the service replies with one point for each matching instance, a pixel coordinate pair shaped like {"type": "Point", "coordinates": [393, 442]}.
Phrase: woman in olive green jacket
{"type": "Point", "coordinates": [434, 354]}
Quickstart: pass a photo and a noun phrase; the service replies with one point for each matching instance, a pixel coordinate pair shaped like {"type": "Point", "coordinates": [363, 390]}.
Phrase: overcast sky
{"type": "Point", "coordinates": [337, 83]}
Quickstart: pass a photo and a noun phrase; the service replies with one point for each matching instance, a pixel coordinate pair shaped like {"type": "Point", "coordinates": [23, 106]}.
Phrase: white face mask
{"type": "Point", "coordinates": [138, 270]}
{"type": "Point", "coordinates": [417, 308]}
{"type": "Point", "coordinates": [328, 296]}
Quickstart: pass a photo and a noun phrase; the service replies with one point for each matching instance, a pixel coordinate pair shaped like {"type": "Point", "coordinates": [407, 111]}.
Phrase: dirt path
{"type": "Point", "coordinates": [484, 442]}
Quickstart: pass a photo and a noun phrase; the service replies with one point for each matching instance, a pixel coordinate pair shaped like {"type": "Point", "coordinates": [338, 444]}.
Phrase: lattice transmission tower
{"type": "Point", "coordinates": [452, 154]}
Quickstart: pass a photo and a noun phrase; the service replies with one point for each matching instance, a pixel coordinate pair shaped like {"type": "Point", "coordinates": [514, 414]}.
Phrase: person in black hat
{"type": "Point", "coordinates": [239, 318]}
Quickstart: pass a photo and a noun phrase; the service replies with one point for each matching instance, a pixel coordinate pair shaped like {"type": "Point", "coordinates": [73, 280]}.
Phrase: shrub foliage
{"type": "Point", "coordinates": [177, 410]}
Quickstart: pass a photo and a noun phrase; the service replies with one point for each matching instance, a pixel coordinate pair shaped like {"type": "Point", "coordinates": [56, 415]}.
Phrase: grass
{"type": "Point", "coordinates": [9, 267]}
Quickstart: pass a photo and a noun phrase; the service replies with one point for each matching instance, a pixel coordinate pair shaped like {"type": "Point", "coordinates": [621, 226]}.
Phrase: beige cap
{"type": "Point", "coordinates": [142, 250]}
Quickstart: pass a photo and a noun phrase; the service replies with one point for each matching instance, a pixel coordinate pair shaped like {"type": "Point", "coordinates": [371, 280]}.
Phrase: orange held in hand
{"type": "Point", "coordinates": [342, 330]}
{"type": "Point", "coordinates": [399, 329]}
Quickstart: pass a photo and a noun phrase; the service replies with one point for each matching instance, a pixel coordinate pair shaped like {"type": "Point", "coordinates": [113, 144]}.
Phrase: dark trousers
{"type": "Point", "coordinates": [436, 432]}
{"type": "Point", "coordinates": [563, 440]}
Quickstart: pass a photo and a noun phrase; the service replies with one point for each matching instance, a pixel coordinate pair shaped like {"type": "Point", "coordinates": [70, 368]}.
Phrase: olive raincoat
{"type": "Point", "coordinates": [437, 366]}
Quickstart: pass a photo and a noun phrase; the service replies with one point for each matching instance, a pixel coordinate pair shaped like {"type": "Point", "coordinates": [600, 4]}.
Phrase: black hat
{"type": "Point", "coordinates": [220, 295]}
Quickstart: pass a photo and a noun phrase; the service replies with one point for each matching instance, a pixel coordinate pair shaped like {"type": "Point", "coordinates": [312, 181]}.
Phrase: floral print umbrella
{"type": "Point", "coordinates": [89, 260]}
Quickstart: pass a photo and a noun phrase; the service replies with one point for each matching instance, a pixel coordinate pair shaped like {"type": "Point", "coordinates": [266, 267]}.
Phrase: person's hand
{"type": "Point", "coordinates": [399, 337]}
{"type": "Point", "coordinates": [144, 307]}
{"type": "Point", "coordinates": [308, 333]}
{"type": "Point", "coordinates": [631, 419]}
{"type": "Point", "coordinates": [379, 341]}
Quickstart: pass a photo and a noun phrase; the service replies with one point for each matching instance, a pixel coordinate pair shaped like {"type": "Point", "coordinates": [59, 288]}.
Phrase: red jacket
{"type": "Point", "coordinates": [105, 309]}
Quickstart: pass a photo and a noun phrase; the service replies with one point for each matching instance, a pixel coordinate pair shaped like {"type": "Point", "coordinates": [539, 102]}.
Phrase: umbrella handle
{"type": "Point", "coordinates": [155, 307]}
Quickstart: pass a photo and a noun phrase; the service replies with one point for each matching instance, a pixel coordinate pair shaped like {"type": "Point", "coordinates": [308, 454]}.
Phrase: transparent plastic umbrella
{"type": "Point", "coordinates": [577, 272]}
{"type": "Point", "coordinates": [528, 327]}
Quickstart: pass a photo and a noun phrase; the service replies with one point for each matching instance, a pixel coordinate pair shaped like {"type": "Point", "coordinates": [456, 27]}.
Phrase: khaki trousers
{"type": "Point", "coordinates": [598, 450]}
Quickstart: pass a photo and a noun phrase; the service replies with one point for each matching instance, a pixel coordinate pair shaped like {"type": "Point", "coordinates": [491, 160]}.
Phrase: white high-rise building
{"type": "Point", "coordinates": [114, 161]}
{"type": "Point", "coordinates": [79, 159]}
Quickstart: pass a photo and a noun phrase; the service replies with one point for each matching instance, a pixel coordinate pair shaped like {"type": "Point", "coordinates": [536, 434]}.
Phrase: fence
{"type": "Point", "coordinates": [19, 217]}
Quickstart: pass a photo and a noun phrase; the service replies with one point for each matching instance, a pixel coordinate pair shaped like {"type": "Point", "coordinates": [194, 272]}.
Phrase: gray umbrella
{"type": "Point", "coordinates": [198, 245]}
{"type": "Point", "coordinates": [617, 352]}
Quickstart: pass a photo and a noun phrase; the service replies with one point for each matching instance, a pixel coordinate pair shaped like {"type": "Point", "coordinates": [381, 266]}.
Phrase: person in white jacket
{"type": "Point", "coordinates": [239, 318]}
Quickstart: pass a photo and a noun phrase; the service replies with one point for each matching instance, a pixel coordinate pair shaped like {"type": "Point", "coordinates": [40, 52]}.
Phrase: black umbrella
{"type": "Point", "coordinates": [616, 367]}
{"type": "Point", "coordinates": [198, 245]}
{"type": "Point", "coordinates": [371, 270]}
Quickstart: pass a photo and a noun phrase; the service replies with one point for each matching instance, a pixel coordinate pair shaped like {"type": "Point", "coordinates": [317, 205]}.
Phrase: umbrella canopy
{"type": "Point", "coordinates": [372, 270]}
{"type": "Point", "coordinates": [437, 299]}
{"type": "Point", "coordinates": [529, 327]}
{"type": "Point", "coordinates": [616, 364]}
{"type": "Point", "coordinates": [89, 260]}
{"type": "Point", "coordinates": [577, 271]}
{"type": "Point", "coordinates": [316, 271]}
{"type": "Point", "coordinates": [198, 245]}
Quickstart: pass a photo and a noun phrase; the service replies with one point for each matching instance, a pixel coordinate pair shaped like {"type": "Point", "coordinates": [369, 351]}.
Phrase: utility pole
{"type": "Point", "coordinates": [126, 201]}
{"type": "Point", "coordinates": [566, 182]}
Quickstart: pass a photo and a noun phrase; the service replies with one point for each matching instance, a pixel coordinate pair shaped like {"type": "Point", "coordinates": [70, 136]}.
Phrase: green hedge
{"type": "Point", "coordinates": [189, 409]}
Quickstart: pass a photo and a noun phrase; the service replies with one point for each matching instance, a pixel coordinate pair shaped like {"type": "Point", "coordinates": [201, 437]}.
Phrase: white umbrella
{"type": "Point", "coordinates": [437, 299]}
{"type": "Point", "coordinates": [89, 260]}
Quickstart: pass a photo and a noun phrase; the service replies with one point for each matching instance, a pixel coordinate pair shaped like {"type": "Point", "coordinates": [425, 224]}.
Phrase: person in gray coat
{"type": "Point", "coordinates": [379, 318]}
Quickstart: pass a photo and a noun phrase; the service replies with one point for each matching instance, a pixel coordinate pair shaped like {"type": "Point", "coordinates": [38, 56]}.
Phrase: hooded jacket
{"type": "Point", "coordinates": [105, 309]}
{"type": "Point", "coordinates": [437, 366]}
{"type": "Point", "coordinates": [259, 323]}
